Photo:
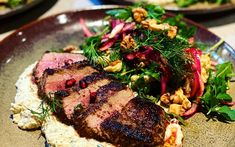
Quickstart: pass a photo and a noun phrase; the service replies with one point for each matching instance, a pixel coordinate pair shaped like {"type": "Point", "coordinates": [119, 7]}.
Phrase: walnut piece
{"type": "Point", "coordinates": [205, 65]}
{"type": "Point", "coordinates": [139, 14]}
{"type": "Point", "coordinates": [134, 78]}
{"type": "Point", "coordinates": [151, 24]}
{"type": "Point", "coordinates": [176, 109]}
{"type": "Point", "coordinates": [178, 97]}
{"type": "Point", "coordinates": [128, 42]}
{"type": "Point", "coordinates": [115, 66]}
{"type": "Point", "coordinates": [186, 104]}
{"type": "Point", "coordinates": [165, 98]}
{"type": "Point", "coordinates": [70, 49]}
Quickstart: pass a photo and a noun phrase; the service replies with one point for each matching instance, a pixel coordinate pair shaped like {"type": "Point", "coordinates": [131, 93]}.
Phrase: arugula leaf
{"type": "Point", "coordinates": [224, 96]}
{"type": "Point", "coordinates": [216, 92]}
{"type": "Point", "coordinates": [15, 3]}
{"type": "Point", "coordinates": [120, 13]}
{"type": "Point", "coordinates": [154, 12]}
{"type": "Point", "coordinates": [226, 112]}
{"type": "Point", "coordinates": [224, 70]}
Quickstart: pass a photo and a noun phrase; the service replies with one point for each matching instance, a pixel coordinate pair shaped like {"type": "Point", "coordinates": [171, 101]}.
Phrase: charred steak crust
{"type": "Point", "coordinates": [101, 98]}
{"type": "Point", "coordinates": [140, 123]}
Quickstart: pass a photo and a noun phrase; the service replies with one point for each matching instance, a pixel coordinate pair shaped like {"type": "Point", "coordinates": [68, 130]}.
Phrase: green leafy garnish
{"type": "Point", "coordinates": [120, 13]}
{"type": "Point", "coordinates": [216, 93]}
{"type": "Point", "coordinates": [186, 3]}
{"type": "Point", "coordinates": [15, 3]}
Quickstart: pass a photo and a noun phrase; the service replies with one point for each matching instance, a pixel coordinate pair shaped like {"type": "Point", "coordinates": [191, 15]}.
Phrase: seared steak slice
{"type": "Point", "coordinates": [83, 97]}
{"type": "Point", "coordinates": [60, 79]}
{"type": "Point", "coordinates": [110, 98]}
{"type": "Point", "coordinates": [140, 123]}
{"type": "Point", "coordinates": [53, 60]}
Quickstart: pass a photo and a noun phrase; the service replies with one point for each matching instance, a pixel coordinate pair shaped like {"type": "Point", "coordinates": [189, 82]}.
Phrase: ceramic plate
{"type": "Point", "coordinates": [27, 44]}
{"type": "Point", "coordinates": [9, 12]}
{"type": "Point", "coordinates": [200, 8]}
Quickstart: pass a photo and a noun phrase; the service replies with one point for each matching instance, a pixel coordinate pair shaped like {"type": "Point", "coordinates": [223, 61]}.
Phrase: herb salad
{"type": "Point", "coordinates": [159, 58]}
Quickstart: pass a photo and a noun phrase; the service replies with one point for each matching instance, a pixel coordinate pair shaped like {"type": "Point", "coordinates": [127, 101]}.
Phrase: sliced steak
{"type": "Point", "coordinates": [83, 97]}
{"type": "Point", "coordinates": [110, 98]}
{"type": "Point", "coordinates": [53, 60]}
{"type": "Point", "coordinates": [140, 123]}
{"type": "Point", "coordinates": [60, 79]}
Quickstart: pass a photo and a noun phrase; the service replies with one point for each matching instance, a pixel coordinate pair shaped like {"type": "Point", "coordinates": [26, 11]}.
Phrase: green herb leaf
{"type": "Point", "coordinates": [224, 96]}
{"type": "Point", "coordinates": [120, 13]}
{"type": "Point", "coordinates": [224, 70]}
{"type": "Point", "coordinates": [216, 91]}
{"type": "Point", "coordinates": [226, 112]}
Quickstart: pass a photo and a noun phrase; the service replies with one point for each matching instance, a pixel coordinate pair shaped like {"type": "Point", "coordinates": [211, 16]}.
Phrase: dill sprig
{"type": "Point", "coordinates": [90, 51]}
{"type": "Point", "coordinates": [49, 104]}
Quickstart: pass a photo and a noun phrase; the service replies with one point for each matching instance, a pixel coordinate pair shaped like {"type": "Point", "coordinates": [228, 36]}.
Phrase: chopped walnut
{"type": "Point", "coordinates": [206, 65]}
{"type": "Point", "coordinates": [134, 78]}
{"type": "Point", "coordinates": [128, 42]}
{"type": "Point", "coordinates": [115, 66]}
{"type": "Point", "coordinates": [147, 23]}
{"type": "Point", "coordinates": [139, 14]}
{"type": "Point", "coordinates": [172, 32]}
{"type": "Point", "coordinates": [178, 97]}
{"type": "Point", "coordinates": [176, 109]}
{"type": "Point", "coordinates": [70, 49]}
{"type": "Point", "coordinates": [151, 24]}
{"type": "Point", "coordinates": [186, 104]}
{"type": "Point", "coordinates": [165, 98]}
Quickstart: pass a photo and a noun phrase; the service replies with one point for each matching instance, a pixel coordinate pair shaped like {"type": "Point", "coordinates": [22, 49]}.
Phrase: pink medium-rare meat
{"type": "Point", "coordinates": [53, 60]}
{"type": "Point", "coordinates": [83, 97]}
{"type": "Point", "coordinates": [60, 79]}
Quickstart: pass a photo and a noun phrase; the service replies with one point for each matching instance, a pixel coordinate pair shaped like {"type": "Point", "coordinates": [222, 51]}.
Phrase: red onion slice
{"type": "Point", "coordinates": [85, 29]}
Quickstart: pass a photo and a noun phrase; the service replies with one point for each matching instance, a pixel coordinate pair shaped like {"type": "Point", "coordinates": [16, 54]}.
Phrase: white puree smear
{"type": "Point", "coordinates": [57, 134]}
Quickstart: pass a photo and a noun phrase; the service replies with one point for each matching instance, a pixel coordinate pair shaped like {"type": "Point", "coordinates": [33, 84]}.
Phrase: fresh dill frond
{"type": "Point", "coordinates": [90, 51]}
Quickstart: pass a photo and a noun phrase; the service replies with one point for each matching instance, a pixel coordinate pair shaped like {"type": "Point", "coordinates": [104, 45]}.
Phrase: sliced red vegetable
{"type": "Point", "coordinates": [191, 111]}
{"type": "Point", "coordinates": [163, 84]}
{"type": "Point", "coordinates": [85, 29]}
{"type": "Point", "coordinates": [196, 82]}
{"type": "Point", "coordinates": [228, 103]}
{"type": "Point", "coordinates": [201, 85]}
{"type": "Point", "coordinates": [214, 63]}
{"type": "Point", "coordinates": [105, 38]}
{"type": "Point", "coordinates": [129, 27]}
{"type": "Point", "coordinates": [107, 44]}
{"type": "Point", "coordinates": [116, 30]}
{"type": "Point", "coordinates": [195, 85]}
{"type": "Point", "coordinates": [116, 22]}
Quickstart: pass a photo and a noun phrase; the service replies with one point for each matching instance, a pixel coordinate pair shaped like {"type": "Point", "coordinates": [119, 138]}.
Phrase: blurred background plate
{"type": "Point", "coordinates": [27, 44]}
{"type": "Point", "coordinates": [195, 9]}
{"type": "Point", "coordinates": [18, 9]}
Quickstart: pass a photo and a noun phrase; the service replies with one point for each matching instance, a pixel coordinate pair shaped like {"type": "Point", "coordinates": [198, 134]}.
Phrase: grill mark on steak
{"type": "Point", "coordinates": [51, 60]}
{"type": "Point", "coordinates": [140, 123]}
{"type": "Point", "coordinates": [50, 83]}
{"type": "Point", "coordinates": [113, 97]}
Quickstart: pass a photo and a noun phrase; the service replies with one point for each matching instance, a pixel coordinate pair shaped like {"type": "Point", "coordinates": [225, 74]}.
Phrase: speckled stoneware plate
{"type": "Point", "coordinates": [9, 12]}
{"type": "Point", "coordinates": [195, 9]}
{"type": "Point", "coordinates": [28, 43]}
